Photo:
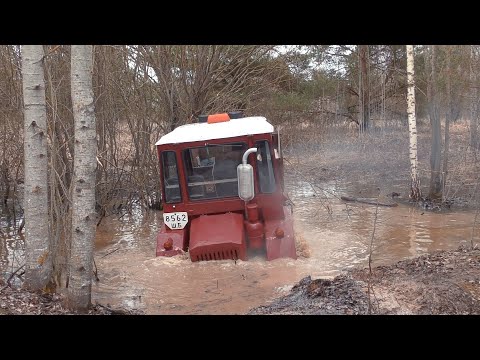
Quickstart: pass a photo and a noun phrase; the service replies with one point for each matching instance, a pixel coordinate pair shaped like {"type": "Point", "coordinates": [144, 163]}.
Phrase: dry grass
{"type": "Point", "coordinates": [303, 250]}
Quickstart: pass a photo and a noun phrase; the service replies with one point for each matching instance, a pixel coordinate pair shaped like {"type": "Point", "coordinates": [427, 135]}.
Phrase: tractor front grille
{"type": "Point", "coordinates": [217, 255]}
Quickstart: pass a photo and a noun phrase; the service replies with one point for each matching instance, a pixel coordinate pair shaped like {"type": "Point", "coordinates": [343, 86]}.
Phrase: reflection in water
{"type": "Point", "coordinates": [12, 247]}
{"type": "Point", "coordinates": [338, 236]}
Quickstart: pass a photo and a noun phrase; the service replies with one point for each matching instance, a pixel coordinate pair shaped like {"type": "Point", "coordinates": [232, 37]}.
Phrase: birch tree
{"type": "Point", "coordinates": [38, 264]}
{"type": "Point", "coordinates": [415, 193]}
{"type": "Point", "coordinates": [83, 197]}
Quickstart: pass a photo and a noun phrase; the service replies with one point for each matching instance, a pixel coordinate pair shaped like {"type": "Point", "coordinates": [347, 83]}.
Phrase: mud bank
{"type": "Point", "coordinates": [443, 282]}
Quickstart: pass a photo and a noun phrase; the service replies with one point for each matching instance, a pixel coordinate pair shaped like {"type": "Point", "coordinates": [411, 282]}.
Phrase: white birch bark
{"type": "Point", "coordinates": [38, 262]}
{"type": "Point", "coordinates": [83, 197]}
{"type": "Point", "coordinates": [412, 126]}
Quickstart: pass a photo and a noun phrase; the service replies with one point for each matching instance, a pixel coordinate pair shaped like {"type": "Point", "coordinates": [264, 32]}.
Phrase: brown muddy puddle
{"type": "Point", "coordinates": [337, 236]}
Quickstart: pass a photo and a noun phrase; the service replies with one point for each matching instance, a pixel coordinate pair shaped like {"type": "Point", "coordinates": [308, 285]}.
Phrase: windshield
{"type": "Point", "coordinates": [212, 170]}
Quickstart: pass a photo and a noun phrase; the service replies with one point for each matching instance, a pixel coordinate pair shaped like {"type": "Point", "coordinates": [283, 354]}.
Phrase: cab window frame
{"type": "Point", "coordinates": [271, 186]}
{"type": "Point", "coordinates": [166, 170]}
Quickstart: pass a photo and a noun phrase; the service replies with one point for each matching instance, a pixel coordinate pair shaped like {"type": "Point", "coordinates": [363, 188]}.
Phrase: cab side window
{"type": "Point", "coordinates": [265, 168]}
{"type": "Point", "coordinates": [170, 177]}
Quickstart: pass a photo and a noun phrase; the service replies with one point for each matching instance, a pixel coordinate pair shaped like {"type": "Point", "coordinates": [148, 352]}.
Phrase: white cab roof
{"type": "Point", "coordinates": [227, 129]}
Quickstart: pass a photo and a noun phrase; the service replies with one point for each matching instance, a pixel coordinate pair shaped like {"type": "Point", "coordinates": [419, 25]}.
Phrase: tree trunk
{"type": "Point", "coordinates": [415, 193]}
{"type": "Point", "coordinates": [363, 87]}
{"type": "Point", "coordinates": [83, 198]}
{"type": "Point", "coordinates": [448, 115]}
{"type": "Point", "coordinates": [435, 155]}
{"type": "Point", "coordinates": [38, 261]}
{"type": "Point", "coordinates": [473, 99]}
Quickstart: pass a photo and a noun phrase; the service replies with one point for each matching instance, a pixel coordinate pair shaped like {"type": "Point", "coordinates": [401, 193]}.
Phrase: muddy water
{"type": "Point", "coordinates": [337, 237]}
{"type": "Point", "coordinates": [12, 246]}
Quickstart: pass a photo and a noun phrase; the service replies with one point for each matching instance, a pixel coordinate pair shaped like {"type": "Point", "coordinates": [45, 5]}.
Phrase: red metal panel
{"type": "Point", "coordinates": [215, 237]}
{"type": "Point", "coordinates": [280, 247]}
{"type": "Point", "coordinates": [255, 231]}
{"type": "Point", "coordinates": [271, 205]}
{"type": "Point", "coordinates": [207, 206]}
{"type": "Point", "coordinates": [178, 237]}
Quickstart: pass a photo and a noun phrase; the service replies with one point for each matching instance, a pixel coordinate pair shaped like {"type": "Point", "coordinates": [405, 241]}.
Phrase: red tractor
{"type": "Point", "coordinates": [223, 191]}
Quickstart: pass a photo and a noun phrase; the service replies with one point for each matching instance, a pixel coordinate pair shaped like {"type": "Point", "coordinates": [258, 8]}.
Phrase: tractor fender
{"type": "Point", "coordinates": [280, 237]}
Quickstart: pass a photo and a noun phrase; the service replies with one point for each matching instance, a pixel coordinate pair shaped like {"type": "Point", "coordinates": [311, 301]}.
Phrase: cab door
{"type": "Point", "coordinates": [278, 158]}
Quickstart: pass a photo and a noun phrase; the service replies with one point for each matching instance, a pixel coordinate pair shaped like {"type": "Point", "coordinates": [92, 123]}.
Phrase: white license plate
{"type": "Point", "coordinates": [175, 220]}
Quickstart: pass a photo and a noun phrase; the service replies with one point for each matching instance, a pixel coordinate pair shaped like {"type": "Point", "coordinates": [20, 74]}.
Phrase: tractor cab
{"type": "Point", "coordinates": [222, 190]}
